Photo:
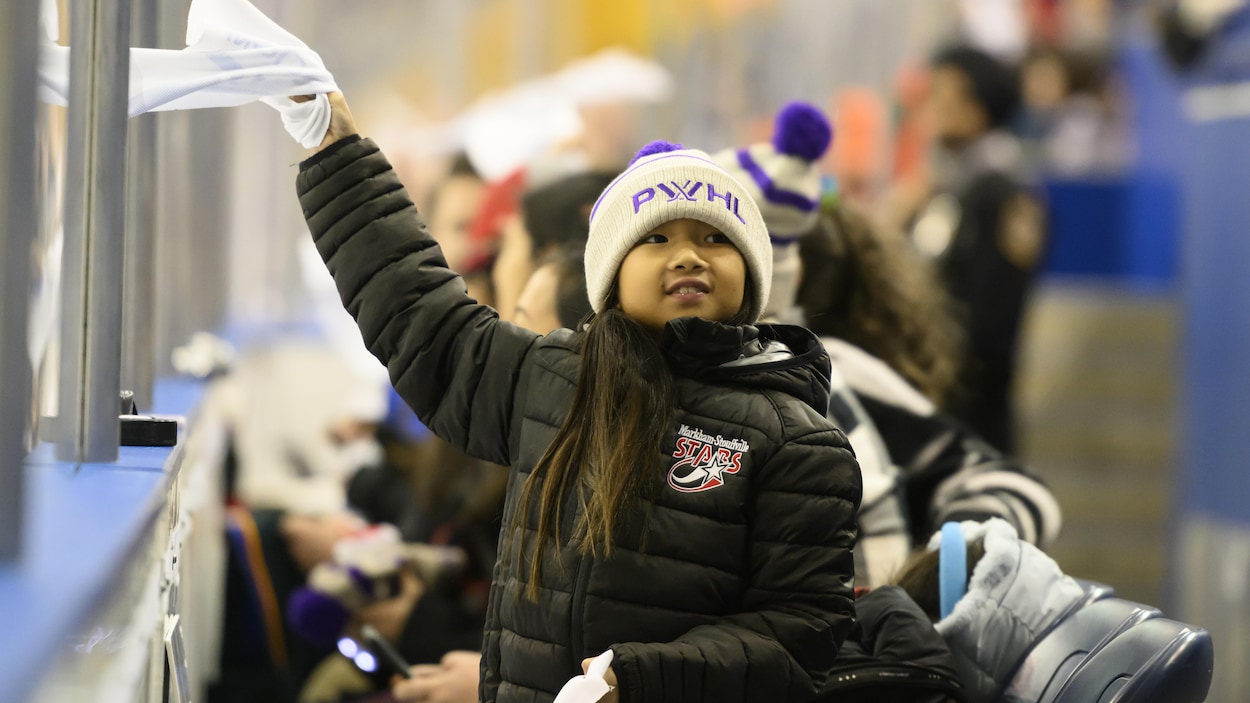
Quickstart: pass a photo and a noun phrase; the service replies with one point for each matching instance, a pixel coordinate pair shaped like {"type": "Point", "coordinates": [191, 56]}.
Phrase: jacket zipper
{"type": "Point", "coordinates": [577, 639]}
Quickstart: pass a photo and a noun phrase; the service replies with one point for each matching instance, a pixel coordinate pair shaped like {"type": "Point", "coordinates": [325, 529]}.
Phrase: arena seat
{"type": "Point", "coordinates": [1085, 629]}
{"type": "Point", "coordinates": [1154, 661]}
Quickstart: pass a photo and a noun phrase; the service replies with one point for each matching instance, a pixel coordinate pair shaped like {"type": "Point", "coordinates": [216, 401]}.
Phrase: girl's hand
{"type": "Point", "coordinates": [341, 122]}
{"type": "Point", "coordinates": [613, 695]}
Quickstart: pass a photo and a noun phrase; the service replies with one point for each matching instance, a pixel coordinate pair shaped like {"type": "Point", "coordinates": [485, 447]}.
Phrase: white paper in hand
{"type": "Point", "coordinates": [590, 687]}
{"type": "Point", "coordinates": [235, 55]}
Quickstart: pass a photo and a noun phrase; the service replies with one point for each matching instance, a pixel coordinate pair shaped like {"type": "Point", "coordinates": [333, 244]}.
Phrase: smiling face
{"type": "Point", "coordinates": [683, 268]}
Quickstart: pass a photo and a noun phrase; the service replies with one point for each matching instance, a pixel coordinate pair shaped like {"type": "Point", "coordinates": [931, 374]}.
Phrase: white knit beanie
{"type": "Point", "coordinates": [784, 179]}
{"type": "Point", "coordinates": [664, 183]}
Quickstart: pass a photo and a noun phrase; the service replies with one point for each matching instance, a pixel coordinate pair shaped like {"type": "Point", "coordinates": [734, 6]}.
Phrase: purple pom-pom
{"type": "Point", "coordinates": [658, 146]}
{"type": "Point", "coordinates": [802, 131]}
{"type": "Point", "coordinates": [315, 616]}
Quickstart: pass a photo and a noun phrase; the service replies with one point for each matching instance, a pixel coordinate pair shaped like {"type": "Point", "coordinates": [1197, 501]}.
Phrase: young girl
{"type": "Point", "coordinates": [676, 494]}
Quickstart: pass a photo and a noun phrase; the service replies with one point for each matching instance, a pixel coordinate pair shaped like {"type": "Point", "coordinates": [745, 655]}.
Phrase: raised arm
{"type": "Point", "coordinates": [451, 359]}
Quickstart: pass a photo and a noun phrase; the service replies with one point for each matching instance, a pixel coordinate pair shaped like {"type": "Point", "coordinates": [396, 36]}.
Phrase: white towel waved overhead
{"type": "Point", "coordinates": [235, 55]}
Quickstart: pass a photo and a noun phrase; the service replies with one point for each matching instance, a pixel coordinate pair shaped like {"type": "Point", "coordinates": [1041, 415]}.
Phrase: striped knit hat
{"type": "Point", "coordinates": [784, 179]}
{"type": "Point", "coordinates": [782, 175]}
{"type": "Point", "coordinates": [666, 182]}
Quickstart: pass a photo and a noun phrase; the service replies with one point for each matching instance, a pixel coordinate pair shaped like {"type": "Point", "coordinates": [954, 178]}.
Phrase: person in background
{"type": "Point", "coordinates": [554, 214]}
{"type": "Point", "coordinates": [862, 283]}
{"type": "Point", "coordinates": [555, 296]}
{"type": "Point", "coordinates": [1072, 123]}
{"type": "Point", "coordinates": [297, 443]}
{"type": "Point", "coordinates": [859, 154]}
{"type": "Point", "coordinates": [984, 229]}
{"type": "Point", "coordinates": [873, 301]}
{"type": "Point", "coordinates": [882, 318]}
{"type": "Point", "coordinates": [1013, 593]}
{"type": "Point", "coordinates": [435, 494]}
{"type": "Point", "coordinates": [693, 450]}
{"type": "Point", "coordinates": [909, 183]}
{"type": "Point", "coordinates": [452, 205]}
{"type": "Point", "coordinates": [301, 421]}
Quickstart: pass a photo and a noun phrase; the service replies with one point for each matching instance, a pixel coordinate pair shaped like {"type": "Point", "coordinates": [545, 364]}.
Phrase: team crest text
{"type": "Point", "coordinates": [704, 460]}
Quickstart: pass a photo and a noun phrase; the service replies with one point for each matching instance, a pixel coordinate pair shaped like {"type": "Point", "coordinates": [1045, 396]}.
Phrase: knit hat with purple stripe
{"type": "Point", "coordinates": [782, 175]}
{"type": "Point", "coordinates": [783, 178]}
{"type": "Point", "coordinates": [666, 182]}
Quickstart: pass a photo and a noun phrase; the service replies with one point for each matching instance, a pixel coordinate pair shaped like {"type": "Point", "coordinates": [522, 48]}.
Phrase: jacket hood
{"type": "Point", "coordinates": [1016, 592]}
{"type": "Point", "coordinates": [750, 356]}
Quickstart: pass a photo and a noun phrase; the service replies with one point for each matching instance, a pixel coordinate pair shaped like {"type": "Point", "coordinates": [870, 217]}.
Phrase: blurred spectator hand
{"type": "Point", "coordinates": [203, 356]}
{"type": "Point", "coordinates": [390, 616]}
{"type": "Point", "coordinates": [455, 680]}
{"type": "Point", "coordinates": [311, 539]}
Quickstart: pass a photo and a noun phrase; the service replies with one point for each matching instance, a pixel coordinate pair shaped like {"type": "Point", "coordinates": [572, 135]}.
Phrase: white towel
{"type": "Point", "coordinates": [590, 687]}
{"type": "Point", "coordinates": [235, 55]}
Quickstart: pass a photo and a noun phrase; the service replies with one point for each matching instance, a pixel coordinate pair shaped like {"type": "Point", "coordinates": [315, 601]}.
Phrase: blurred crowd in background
{"type": "Point", "coordinates": [959, 129]}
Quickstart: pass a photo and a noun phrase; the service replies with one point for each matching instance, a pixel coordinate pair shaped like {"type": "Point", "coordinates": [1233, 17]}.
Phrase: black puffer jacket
{"type": "Point", "coordinates": [743, 589]}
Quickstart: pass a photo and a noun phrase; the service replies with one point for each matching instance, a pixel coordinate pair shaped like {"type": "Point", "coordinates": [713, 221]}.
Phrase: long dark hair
{"type": "Point", "coordinates": [864, 285]}
{"type": "Point", "coordinates": [605, 451]}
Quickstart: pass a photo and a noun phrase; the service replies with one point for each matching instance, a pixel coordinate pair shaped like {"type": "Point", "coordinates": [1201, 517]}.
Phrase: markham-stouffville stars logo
{"type": "Point", "coordinates": [704, 460]}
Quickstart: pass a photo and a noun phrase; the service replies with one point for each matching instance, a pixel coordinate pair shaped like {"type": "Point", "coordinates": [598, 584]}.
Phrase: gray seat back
{"type": "Point", "coordinates": [1084, 630]}
{"type": "Point", "coordinates": [1154, 661]}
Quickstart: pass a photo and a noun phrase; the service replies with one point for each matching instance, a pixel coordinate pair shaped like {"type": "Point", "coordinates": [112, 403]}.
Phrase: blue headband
{"type": "Point", "coordinates": [952, 567]}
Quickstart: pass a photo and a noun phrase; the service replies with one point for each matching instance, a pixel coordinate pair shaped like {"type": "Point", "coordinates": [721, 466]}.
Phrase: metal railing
{"type": "Point", "coordinates": [87, 428]}
{"type": "Point", "coordinates": [18, 222]}
{"type": "Point", "coordinates": [139, 275]}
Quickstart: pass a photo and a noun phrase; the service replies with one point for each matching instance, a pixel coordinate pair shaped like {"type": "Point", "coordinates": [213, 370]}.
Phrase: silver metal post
{"type": "Point", "coordinates": [94, 231]}
{"type": "Point", "coordinates": [18, 65]}
{"type": "Point", "coordinates": [139, 280]}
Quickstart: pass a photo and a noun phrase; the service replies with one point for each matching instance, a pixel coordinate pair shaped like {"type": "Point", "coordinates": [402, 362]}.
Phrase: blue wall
{"type": "Point", "coordinates": [1182, 218]}
{"type": "Point", "coordinates": [1124, 228]}
{"type": "Point", "coordinates": [1129, 228]}
{"type": "Point", "coordinates": [1212, 161]}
